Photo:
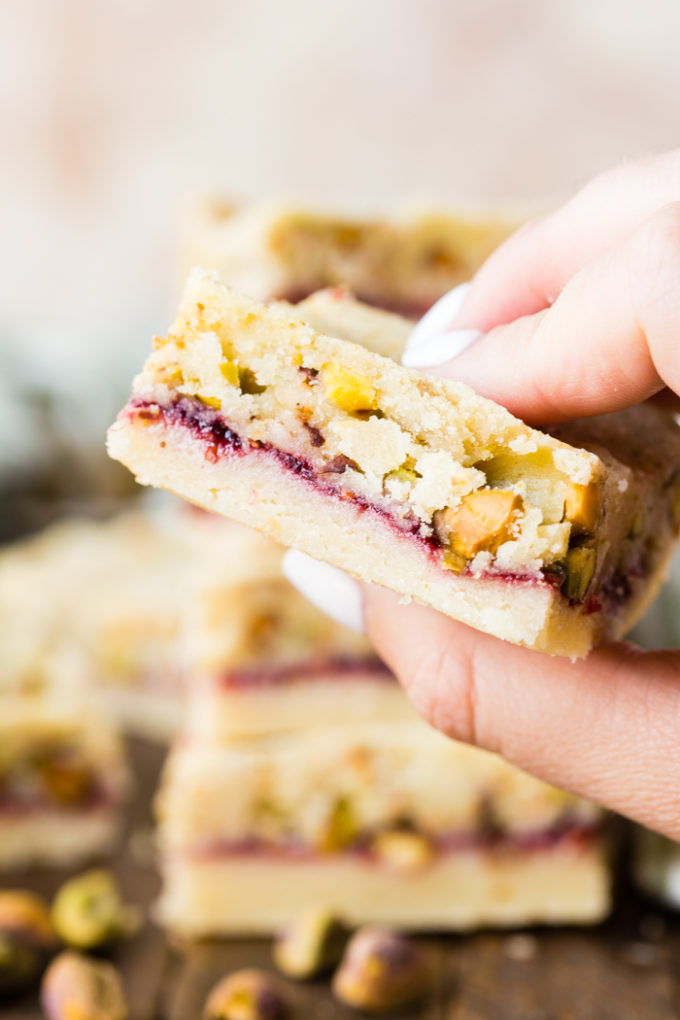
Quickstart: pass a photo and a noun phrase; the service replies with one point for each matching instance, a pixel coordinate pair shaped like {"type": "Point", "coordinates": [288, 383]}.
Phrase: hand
{"type": "Point", "coordinates": [580, 313]}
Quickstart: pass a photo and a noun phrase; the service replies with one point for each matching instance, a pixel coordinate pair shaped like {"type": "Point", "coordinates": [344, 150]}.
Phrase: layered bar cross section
{"type": "Point", "coordinates": [404, 479]}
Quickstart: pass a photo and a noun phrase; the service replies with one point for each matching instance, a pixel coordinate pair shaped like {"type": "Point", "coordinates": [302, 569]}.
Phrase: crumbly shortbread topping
{"type": "Point", "coordinates": [328, 789]}
{"type": "Point", "coordinates": [459, 469]}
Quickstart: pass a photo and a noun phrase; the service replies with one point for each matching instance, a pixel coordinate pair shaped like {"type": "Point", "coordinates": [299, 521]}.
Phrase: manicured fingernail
{"type": "Point", "coordinates": [441, 315]}
{"type": "Point", "coordinates": [331, 590]}
{"type": "Point", "coordinates": [432, 342]}
{"type": "Point", "coordinates": [435, 350]}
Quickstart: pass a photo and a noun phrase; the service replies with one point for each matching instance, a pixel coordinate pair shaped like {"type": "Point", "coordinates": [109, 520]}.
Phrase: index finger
{"type": "Point", "coordinates": [529, 271]}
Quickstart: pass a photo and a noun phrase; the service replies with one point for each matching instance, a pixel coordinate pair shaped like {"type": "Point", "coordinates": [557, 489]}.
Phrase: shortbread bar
{"type": "Point", "coordinates": [63, 779]}
{"type": "Point", "coordinates": [384, 822]}
{"type": "Point", "coordinates": [405, 479]}
{"type": "Point", "coordinates": [111, 613]}
{"type": "Point", "coordinates": [262, 659]}
{"type": "Point", "coordinates": [403, 262]}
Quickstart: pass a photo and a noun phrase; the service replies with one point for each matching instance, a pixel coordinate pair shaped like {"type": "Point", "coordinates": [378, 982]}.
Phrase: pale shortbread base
{"type": "Point", "coordinates": [63, 839]}
{"type": "Point", "coordinates": [254, 489]}
{"type": "Point", "coordinates": [460, 891]}
{"type": "Point", "coordinates": [216, 713]}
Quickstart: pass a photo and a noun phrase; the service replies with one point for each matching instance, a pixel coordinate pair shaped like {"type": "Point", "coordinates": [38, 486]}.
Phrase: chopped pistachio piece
{"type": "Point", "coordinates": [580, 569]}
{"type": "Point", "coordinates": [401, 475]}
{"type": "Point", "coordinates": [26, 938]}
{"type": "Point", "coordinates": [341, 828]}
{"type": "Point", "coordinates": [312, 942]}
{"type": "Point", "coordinates": [481, 522]}
{"type": "Point", "coordinates": [349, 390]}
{"type": "Point", "coordinates": [582, 506]}
{"type": "Point", "coordinates": [247, 381]}
{"type": "Point", "coordinates": [229, 371]}
{"type": "Point", "coordinates": [403, 851]}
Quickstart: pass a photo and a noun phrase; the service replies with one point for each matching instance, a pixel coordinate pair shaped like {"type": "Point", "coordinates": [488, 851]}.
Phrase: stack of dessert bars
{"type": "Point", "coordinates": [91, 632]}
{"type": "Point", "coordinates": [300, 772]}
{"type": "Point", "coordinates": [303, 775]}
{"type": "Point", "coordinates": [63, 774]}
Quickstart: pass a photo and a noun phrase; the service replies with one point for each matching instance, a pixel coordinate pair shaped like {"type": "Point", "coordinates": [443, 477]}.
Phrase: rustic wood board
{"type": "Point", "coordinates": [627, 969]}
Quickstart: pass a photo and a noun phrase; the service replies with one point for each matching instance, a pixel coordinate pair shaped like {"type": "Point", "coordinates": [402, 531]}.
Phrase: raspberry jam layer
{"type": "Point", "coordinates": [14, 804]}
{"type": "Point", "coordinates": [570, 837]}
{"type": "Point", "coordinates": [337, 669]}
{"type": "Point", "coordinates": [221, 441]}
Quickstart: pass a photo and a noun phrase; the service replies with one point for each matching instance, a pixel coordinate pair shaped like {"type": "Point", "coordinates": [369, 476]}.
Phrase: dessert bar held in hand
{"type": "Point", "coordinates": [402, 478]}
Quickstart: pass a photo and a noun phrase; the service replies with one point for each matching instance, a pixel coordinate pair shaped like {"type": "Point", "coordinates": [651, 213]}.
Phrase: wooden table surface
{"type": "Point", "coordinates": [627, 969]}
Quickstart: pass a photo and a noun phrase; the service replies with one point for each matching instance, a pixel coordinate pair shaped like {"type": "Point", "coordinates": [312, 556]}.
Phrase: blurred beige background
{"type": "Point", "coordinates": [114, 114]}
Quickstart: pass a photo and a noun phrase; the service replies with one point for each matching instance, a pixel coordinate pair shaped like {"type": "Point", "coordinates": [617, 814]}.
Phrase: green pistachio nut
{"type": "Point", "coordinates": [381, 971]}
{"type": "Point", "coordinates": [580, 569]}
{"type": "Point", "coordinates": [245, 995]}
{"type": "Point", "coordinates": [76, 987]}
{"type": "Point", "coordinates": [26, 939]}
{"type": "Point", "coordinates": [88, 911]}
{"type": "Point", "coordinates": [403, 851]}
{"type": "Point", "coordinates": [341, 827]}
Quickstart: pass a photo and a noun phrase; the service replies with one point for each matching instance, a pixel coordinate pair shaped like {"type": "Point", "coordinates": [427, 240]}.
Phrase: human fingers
{"type": "Point", "coordinates": [606, 728]}
{"type": "Point", "coordinates": [529, 271]}
{"type": "Point", "coordinates": [609, 341]}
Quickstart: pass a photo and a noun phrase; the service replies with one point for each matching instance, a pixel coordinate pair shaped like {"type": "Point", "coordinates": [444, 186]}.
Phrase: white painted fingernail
{"type": "Point", "coordinates": [440, 316]}
{"type": "Point", "coordinates": [431, 342]}
{"type": "Point", "coordinates": [435, 350]}
{"type": "Point", "coordinates": [331, 590]}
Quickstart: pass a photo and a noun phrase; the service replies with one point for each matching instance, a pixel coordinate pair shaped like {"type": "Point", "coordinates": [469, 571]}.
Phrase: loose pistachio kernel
{"type": "Point", "coordinates": [88, 911]}
{"type": "Point", "coordinates": [76, 987]}
{"type": "Point", "coordinates": [382, 971]}
{"type": "Point", "coordinates": [248, 383]}
{"type": "Point", "coordinates": [580, 569]}
{"type": "Point", "coordinates": [349, 390]}
{"type": "Point", "coordinates": [245, 995]}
